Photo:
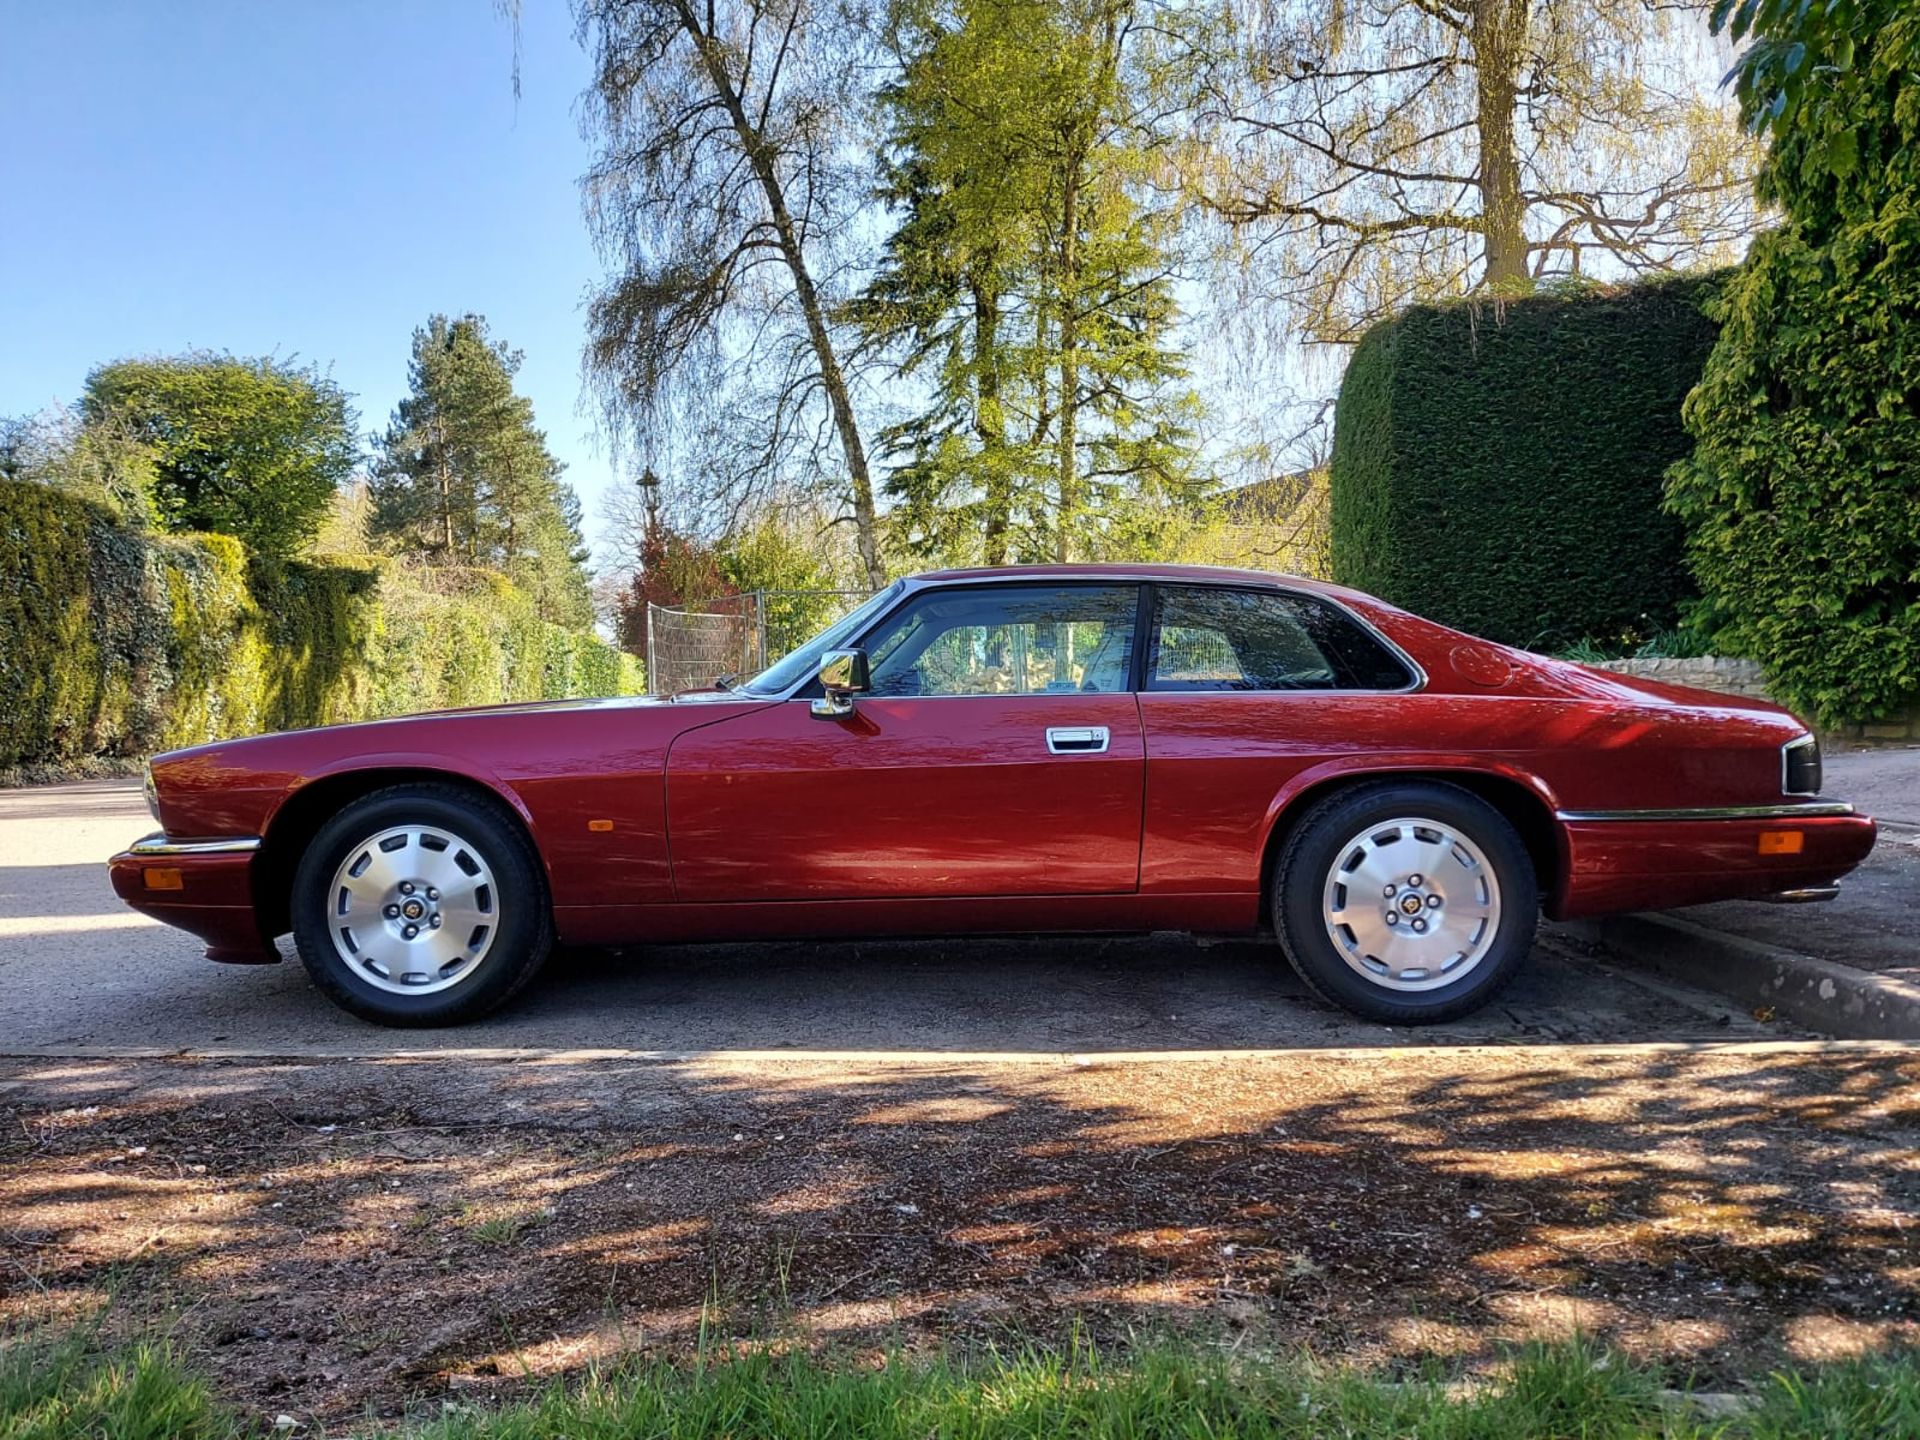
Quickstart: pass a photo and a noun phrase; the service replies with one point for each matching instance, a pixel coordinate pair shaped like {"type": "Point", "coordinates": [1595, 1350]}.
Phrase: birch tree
{"type": "Point", "coordinates": [721, 193]}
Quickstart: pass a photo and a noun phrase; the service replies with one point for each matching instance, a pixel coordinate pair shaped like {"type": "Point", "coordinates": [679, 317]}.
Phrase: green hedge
{"type": "Point", "coordinates": [115, 642]}
{"type": "Point", "coordinates": [1802, 499]}
{"type": "Point", "coordinates": [1497, 465]}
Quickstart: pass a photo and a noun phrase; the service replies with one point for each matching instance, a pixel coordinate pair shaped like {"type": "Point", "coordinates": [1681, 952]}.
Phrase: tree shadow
{"type": "Point", "coordinates": [336, 1235]}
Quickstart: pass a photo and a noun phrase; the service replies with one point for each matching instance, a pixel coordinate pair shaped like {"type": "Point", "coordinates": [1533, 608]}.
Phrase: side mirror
{"type": "Point", "coordinates": [843, 674]}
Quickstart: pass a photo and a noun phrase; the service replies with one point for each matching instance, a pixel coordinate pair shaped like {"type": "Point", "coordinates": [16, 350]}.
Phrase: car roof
{"type": "Point", "coordinates": [1203, 574]}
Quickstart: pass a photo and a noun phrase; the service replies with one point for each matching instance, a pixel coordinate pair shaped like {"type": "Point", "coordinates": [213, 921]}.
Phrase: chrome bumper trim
{"type": "Point", "coordinates": [161, 845]}
{"type": "Point", "coordinates": [1720, 812]}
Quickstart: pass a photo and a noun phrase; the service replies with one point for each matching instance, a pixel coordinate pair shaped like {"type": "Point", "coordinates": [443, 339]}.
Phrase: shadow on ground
{"type": "Point", "coordinates": [333, 1235]}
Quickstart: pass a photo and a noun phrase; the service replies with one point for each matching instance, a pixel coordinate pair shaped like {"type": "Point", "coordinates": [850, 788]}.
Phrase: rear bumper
{"type": "Point", "coordinates": [204, 887]}
{"type": "Point", "coordinates": [1633, 863]}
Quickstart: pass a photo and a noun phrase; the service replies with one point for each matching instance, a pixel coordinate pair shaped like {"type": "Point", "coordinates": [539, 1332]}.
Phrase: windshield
{"type": "Point", "coordinates": [799, 664]}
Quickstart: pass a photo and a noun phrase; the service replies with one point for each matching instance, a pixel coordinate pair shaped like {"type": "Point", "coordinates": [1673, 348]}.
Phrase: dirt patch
{"type": "Point", "coordinates": [328, 1236]}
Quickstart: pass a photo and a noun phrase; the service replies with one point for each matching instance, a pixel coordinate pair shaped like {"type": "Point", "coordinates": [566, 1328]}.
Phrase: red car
{"type": "Point", "coordinates": [1085, 748]}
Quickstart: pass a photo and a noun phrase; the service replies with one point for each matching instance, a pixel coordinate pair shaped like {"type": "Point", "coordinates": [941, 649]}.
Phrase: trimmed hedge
{"type": "Point", "coordinates": [1497, 465]}
{"type": "Point", "coordinates": [115, 643]}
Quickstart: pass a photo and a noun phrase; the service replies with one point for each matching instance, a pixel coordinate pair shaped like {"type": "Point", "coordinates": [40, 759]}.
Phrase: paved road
{"type": "Point", "coordinates": [80, 973]}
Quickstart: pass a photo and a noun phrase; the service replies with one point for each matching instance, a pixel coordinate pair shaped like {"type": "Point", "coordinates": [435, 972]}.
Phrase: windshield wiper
{"type": "Point", "coordinates": [728, 680]}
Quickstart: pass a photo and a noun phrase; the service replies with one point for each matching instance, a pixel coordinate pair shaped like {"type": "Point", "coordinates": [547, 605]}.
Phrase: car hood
{"type": "Point", "coordinates": [390, 730]}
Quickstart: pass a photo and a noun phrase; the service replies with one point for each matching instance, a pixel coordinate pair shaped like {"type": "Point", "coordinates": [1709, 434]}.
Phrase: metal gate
{"type": "Point", "coordinates": [689, 647]}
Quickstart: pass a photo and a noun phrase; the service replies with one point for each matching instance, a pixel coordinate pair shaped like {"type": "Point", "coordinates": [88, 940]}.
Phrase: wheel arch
{"type": "Point", "coordinates": [1524, 801]}
{"type": "Point", "coordinates": [301, 813]}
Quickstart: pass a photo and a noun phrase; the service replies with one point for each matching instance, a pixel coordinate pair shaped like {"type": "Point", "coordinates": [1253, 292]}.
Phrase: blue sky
{"type": "Point", "coordinates": [306, 180]}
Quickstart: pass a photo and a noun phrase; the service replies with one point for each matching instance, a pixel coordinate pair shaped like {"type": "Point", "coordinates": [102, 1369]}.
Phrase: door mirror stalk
{"type": "Point", "coordinates": [843, 675]}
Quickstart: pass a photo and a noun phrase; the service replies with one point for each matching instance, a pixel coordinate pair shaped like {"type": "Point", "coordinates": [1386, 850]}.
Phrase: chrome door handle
{"type": "Point", "coordinates": [1077, 739]}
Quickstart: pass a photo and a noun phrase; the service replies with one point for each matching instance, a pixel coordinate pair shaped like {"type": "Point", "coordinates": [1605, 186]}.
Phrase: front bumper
{"type": "Point", "coordinates": [1624, 862]}
{"type": "Point", "coordinates": [204, 887]}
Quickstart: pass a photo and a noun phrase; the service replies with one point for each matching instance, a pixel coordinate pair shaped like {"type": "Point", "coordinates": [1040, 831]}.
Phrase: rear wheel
{"type": "Point", "coordinates": [421, 905]}
{"type": "Point", "coordinates": [1408, 902]}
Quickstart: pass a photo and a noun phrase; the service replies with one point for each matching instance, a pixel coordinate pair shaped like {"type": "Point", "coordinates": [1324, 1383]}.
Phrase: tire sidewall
{"type": "Point", "coordinates": [1299, 897]}
{"type": "Point", "coordinates": [519, 945]}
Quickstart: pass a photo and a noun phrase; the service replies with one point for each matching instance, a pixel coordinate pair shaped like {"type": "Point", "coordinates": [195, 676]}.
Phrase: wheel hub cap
{"type": "Point", "coordinates": [414, 909]}
{"type": "Point", "coordinates": [1411, 904]}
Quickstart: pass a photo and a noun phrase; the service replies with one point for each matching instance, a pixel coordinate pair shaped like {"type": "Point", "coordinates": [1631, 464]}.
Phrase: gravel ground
{"type": "Point", "coordinates": [323, 1237]}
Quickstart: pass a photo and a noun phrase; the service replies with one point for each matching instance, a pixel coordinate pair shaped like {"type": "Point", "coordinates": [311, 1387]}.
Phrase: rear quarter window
{"type": "Point", "coordinates": [1207, 638]}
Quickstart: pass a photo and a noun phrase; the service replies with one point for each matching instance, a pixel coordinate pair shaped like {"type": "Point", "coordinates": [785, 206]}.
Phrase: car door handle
{"type": "Point", "coordinates": [1077, 739]}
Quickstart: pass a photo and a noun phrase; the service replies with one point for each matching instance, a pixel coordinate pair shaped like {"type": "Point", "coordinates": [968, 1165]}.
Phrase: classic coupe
{"type": "Point", "coordinates": [1084, 748]}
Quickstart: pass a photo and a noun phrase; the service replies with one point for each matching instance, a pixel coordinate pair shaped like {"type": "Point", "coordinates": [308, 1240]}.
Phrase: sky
{"type": "Point", "coordinates": [307, 181]}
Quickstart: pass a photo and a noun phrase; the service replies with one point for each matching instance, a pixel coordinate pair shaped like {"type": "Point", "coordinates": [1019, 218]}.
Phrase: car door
{"type": "Point", "coordinates": [1245, 687]}
{"type": "Point", "coordinates": [997, 752]}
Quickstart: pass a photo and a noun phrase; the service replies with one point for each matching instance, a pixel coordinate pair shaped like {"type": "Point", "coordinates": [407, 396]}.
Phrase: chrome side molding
{"type": "Point", "coordinates": [1713, 812]}
{"type": "Point", "coordinates": [162, 845]}
{"type": "Point", "coordinates": [1806, 895]}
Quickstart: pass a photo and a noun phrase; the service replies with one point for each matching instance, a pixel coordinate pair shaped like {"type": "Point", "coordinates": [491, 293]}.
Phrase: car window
{"type": "Point", "coordinates": [1221, 639]}
{"type": "Point", "coordinates": [1007, 640]}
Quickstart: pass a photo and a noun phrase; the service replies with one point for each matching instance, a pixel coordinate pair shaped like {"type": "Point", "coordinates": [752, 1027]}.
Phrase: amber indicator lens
{"type": "Point", "coordinates": [1782, 842]}
{"type": "Point", "coordinates": [599, 826]}
{"type": "Point", "coordinates": [164, 880]}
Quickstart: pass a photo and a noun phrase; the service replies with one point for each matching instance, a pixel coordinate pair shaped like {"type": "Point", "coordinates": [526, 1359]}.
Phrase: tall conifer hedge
{"type": "Point", "coordinates": [1497, 465]}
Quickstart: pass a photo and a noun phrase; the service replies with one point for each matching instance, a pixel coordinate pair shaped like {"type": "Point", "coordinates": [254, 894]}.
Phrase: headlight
{"type": "Point", "coordinates": [1800, 766]}
{"type": "Point", "coordinates": [153, 795]}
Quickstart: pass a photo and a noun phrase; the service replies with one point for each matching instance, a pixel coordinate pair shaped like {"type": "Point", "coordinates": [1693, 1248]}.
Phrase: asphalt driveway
{"type": "Point", "coordinates": [80, 973]}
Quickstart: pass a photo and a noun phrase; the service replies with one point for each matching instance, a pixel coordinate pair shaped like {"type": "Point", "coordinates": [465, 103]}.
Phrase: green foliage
{"type": "Point", "coordinates": [52, 1388]}
{"type": "Point", "coordinates": [464, 477]}
{"type": "Point", "coordinates": [786, 561]}
{"type": "Point", "coordinates": [1801, 53]}
{"type": "Point", "coordinates": [102, 459]}
{"type": "Point", "coordinates": [251, 448]}
{"type": "Point", "coordinates": [59, 1388]}
{"type": "Point", "coordinates": [115, 643]}
{"type": "Point", "coordinates": [1498, 466]}
{"type": "Point", "coordinates": [1030, 284]}
{"type": "Point", "coordinates": [1802, 496]}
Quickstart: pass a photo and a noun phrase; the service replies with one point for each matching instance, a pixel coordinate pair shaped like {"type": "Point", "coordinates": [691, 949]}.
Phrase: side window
{"type": "Point", "coordinates": [1219, 639]}
{"type": "Point", "coordinates": [1007, 640]}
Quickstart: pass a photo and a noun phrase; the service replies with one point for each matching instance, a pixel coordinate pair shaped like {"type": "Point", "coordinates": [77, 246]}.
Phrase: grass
{"type": "Point", "coordinates": [68, 1387]}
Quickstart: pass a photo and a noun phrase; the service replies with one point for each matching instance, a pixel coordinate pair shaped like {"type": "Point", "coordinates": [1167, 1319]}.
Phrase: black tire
{"type": "Point", "coordinates": [522, 935]}
{"type": "Point", "coordinates": [1305, 871]}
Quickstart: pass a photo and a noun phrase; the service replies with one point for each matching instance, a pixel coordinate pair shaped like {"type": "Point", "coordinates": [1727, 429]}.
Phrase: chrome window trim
{"type": "Point", "coordinates": [1785, 771]}
{"type": "Point", "coordinates": [1713, 812]}
{"type": "Point", "coordinates": [162, 845]}
{"type": "Point", "coordinates": [917, 585]}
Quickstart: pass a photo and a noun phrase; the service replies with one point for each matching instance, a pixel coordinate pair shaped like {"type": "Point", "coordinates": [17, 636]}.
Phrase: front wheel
{"type": "Point", "coordinates": [1408, 902]}
{"type": "Point", "coordinates": [421, 905]}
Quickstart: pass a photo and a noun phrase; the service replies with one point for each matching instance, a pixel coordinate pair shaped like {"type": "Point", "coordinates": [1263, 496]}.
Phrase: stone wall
{"type": "Point", "coordinates": [1745, 678]}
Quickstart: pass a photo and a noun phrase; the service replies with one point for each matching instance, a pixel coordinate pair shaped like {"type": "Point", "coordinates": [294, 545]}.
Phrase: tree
{"type": "Point", "coordinates": [1800, 499]}
{"type": "Point", "coordinates": [463, 476]}
{"type": "Point", "coordinates": [101, 459]}
{"type": "Point", "coordinates": [1371, 153]}
{"type": "Point", "coordinates": [668, 567]}
{"type": "Point", "coordinates": [250, 448]}
{"type": "Point", "coordinates": [1030, 283]}
{"type": "Point", "coordinates": [717, 191]}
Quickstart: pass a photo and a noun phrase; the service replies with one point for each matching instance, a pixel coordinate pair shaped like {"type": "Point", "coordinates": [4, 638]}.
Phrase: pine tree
{"type": "Point", "coordinates": [1030, 282]}
{"type": "Point", "coordinates": [463, 476]}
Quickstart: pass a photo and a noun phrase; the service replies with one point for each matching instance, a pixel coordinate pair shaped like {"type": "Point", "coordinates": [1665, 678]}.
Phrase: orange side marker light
{"type": "Point", "coordinates": [1782, 842]}
{"type": "Point", "coordinates": [599, 826]}
{"type": "Point", "coordinates": [163, 880]}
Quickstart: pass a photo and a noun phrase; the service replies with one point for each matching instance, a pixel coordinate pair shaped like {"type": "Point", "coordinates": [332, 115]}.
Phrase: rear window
{"type": "Point", "coordinates": [1220, 639]}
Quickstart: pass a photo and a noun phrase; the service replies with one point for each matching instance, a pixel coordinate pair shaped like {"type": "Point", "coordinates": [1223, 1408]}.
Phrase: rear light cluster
{"type": "Point", "coordinates": [1800, 766]}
